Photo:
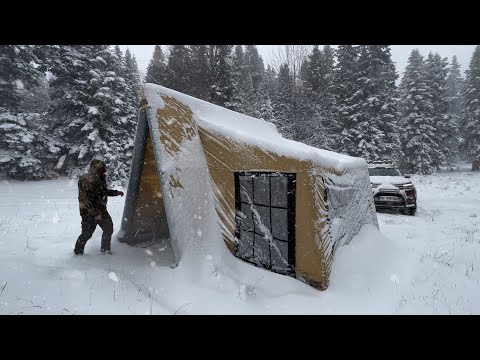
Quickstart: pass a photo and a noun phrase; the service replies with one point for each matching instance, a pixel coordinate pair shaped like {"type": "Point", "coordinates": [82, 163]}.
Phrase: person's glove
{"type": "Point", "coordinates": [119, 193]}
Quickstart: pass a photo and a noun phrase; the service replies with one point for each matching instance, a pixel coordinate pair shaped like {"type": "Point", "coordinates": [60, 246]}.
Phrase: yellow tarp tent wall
{"type": "Point", "coordinates": [201, 173]}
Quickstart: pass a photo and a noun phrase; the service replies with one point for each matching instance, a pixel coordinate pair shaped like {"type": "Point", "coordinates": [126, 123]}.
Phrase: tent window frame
{"type": "Point", "coordinates": [290, 208]}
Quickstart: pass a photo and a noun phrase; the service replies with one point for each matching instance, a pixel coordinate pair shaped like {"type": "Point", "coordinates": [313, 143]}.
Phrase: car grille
{"type": "Point", "coordinates": [389, 198]}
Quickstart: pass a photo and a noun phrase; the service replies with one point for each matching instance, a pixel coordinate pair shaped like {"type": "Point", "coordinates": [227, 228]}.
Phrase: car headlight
{"type": "Point", "coordinates": [405, 186]}
{"type": "Point", "coordinates": [374, 185]}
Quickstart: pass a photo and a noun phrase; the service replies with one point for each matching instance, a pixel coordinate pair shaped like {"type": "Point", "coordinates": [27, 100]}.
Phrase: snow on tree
{"type": "Point", "coordinates": [221, 84]}
{"type": "Point", "coordinates": [25, 146]}
{"type": "Point", "coordinates": [179, 69]}
{"type": "Point", "coordinates": [471, 111]}
{"type": "Point", "coordinates": [282, 101]}
{"type": "Point", "coordinates": [26, 151]}
{"type": "Point", "coordinates": [317, 98]}
{"type": "Point", "coordinates": [241, 83]}
{"type": "Point", "coordinates": [199, 72]}
{"type": "Point", "coordinates": [255, 67]}
{"type": "Point", "coordinates": [417, 120]}
{"type": "Point", "coordinates": [454, 86]}
{"type": "Point", "coordinates": [445, 126]}
{"type": "Point", "coordinates": [347, 96]}
{"type": "Point", "coordinates": [18, 74]}
{"type": "Point", "coordinates": [94, 107]}
{"type": "Point", "coordinates": [378, 111]}
{"type": "Point", "coordinates": [265, 105]}
{"type": "Point", "coordinates": [132, 75]}
{"type": "Point", "coordinates": [157, 67]}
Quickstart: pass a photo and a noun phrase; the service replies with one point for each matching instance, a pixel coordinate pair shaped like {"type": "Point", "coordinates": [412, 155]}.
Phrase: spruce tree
{"type": "Point", "coordinates": [255, 66]}
{"type": "Point", "coordinates": [220, 61]}
{"type": "Point", "coordinates": [19, 73]}
{"type": "Point", "coordinates": [380, 106]}
{"type": "Point", "coordinates": [132, 74]}
{"type": "Point", "coordinates": [445, 127]}
{"type": "Point", "coordinates": [241, 82]}
{"type": "Point", "coordinates": [265, 109]}
{"type": "Point", "coordinates": [471, 111]}
{"type": "Point", "coordinates": [157, 67]}
{"type": "Point", "coordinates": [179, 69]}
{"type": "Point", "coordinates": [94, 109]}
{"type": "Point", "coordinates": [25, 146]}
{"type": "Point", "coordinates": [417, 131]}
{"type": "Point", "coordinates": [454, 86]}
{"type": "Point", "coordinates": [346, 94]}
{"type": "Point", "coordinates": [282, 101]}
{"type": "Point", "coordinates": [199, 72]}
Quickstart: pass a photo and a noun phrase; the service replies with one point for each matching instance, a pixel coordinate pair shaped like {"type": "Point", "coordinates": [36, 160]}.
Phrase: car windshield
{"type": "Point", "coordinates": [381, 171]}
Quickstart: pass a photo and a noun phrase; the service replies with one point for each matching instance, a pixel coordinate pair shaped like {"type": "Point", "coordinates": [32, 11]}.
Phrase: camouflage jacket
{"type": "Point", "coordinates": [92, 194]}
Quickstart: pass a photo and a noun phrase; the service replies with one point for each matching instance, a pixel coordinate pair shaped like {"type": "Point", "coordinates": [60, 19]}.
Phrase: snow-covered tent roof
{"type": "Point", "coordinates": [202, 174]}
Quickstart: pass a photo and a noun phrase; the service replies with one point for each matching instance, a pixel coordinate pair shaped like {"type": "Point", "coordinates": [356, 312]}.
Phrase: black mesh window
{"type": "Point", "coordinates": [265, 204]}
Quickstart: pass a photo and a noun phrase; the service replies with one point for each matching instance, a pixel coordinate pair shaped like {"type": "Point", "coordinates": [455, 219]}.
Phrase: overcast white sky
{"type": "Point", "coordinates": [400, 53]}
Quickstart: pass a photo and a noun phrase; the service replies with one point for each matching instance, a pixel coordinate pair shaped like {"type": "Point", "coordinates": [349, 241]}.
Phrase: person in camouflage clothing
{"type": "Point", "coordinates": [92, 198]}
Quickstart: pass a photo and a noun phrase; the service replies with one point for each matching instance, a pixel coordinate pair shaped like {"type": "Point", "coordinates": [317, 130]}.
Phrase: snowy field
{"type": "Point", "coordinates": [426, 264]}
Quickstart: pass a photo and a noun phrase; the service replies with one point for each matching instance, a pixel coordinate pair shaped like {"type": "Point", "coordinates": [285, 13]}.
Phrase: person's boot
{"type": "Point", "coordinates": [106, 251]}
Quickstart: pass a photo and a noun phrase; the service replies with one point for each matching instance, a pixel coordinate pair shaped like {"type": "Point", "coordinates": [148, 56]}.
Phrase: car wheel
{"type": "Point", "coordinates": [409, 211]}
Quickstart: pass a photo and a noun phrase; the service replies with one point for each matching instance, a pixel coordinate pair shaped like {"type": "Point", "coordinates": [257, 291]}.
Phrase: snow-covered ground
{"type": "Point", "coordinates": [427, 264]}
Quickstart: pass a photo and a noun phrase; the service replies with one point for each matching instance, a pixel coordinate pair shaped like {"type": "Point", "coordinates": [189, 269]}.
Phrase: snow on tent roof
{"type": "Point", "coordinates": [250, 130]}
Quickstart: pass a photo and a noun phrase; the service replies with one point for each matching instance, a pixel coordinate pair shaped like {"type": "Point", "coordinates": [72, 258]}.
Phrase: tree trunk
{"type": "Point", "coordinates": [476, 165]}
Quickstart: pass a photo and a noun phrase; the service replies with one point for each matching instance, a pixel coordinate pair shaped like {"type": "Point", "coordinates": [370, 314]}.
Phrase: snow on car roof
{"type": "Point", "coordinates": [382, 166]}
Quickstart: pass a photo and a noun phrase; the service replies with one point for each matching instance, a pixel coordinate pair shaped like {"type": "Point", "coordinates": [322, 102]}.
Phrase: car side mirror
{"type": "Point", "coordinates": [406, 176]}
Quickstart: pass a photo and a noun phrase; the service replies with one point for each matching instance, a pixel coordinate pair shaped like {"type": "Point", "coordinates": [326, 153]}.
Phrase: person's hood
{"type": "Point", "coordinates": [96, 167]}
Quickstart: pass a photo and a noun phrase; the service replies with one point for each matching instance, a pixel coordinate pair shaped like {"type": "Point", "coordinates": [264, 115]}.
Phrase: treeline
{"type": "Point", "coordinates": [344, 99]}
{"type": "Point", "coordinates": [63, 105]}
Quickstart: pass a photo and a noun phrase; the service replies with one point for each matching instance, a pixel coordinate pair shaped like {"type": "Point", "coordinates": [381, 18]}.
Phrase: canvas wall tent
{"type": "Point", "coordinates": [202, 174]}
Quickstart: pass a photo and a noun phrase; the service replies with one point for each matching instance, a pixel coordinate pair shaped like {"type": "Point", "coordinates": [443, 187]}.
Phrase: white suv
{"type": "Point", "coordinates": [391, 189]}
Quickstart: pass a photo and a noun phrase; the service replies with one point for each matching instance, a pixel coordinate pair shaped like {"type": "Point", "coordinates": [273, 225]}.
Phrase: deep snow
{"type": "Point", "coordinates": [426, 264]}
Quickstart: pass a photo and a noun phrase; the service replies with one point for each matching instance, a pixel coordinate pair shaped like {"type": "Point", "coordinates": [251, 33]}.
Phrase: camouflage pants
{"type": "Point", "coordinates": [88, 227]}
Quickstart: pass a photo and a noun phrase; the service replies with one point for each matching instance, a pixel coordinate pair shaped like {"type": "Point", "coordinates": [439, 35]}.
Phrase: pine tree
{"type": "Point", "coordinates": [282, 101]}
{"type": "Point", "coordinates": [312, 70]}
{"type": "Point", "coordinates": [179, 69]}
{"type": "Point", "coordinates": [93, 106]}
{"type": "Point", "coordinates": [418, 133]}
{"type": "Point", "coordinates": [157, 68]}
{"type": "Point", "coordinates": [362, 137]}
{"type": "Point", "coordinates": [241, 82]}
{"type": "Point", "coordinates": [471, 111]}
{"type": "Point", "coordinates": [378, 110]}
{"type": "Point", "coordinates": [255, 66]}
{"type": "Point", "coordinates": [346, 95]}
{"type": "Point", "coordinates": [19, 73]}
{"type": "Point", "coordinates": [119, 53]}
{"type": "Point", "coordinates": [266, 108]}
{"type": "Point", "coordinates": [24, 145]}
{"type": "Point", "coordinates": [220, 61]}
{"type": "Point", "coordinates": [454, 85]}
{"type": "Point", "coordinates": [315, 122]}
{"type": "Point", "coordinates": [445, 127]}
{"type": "Point", "coordinates": [132, 74]}
{"type": "Point", "coordinates": [199, 72]}
{"type": "Point", "coordinates": [326, 137]}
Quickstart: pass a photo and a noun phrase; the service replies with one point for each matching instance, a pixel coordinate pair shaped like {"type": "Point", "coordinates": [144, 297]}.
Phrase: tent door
{"type": "Point", "coordinates": [265, 219]}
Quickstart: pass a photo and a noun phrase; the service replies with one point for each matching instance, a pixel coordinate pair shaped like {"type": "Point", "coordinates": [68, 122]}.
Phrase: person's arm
{"type": "Point", "coordinates": [111, 192]}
